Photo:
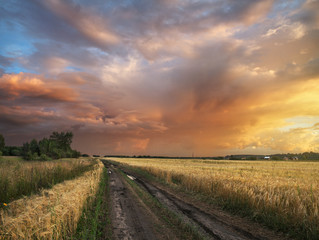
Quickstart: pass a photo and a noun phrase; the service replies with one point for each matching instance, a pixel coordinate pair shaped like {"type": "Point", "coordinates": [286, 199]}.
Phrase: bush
{"type": "Point", "coordinates": [35, 156]}
{"type": "Point", "coordinates": [69, 154]}
{"type": "Point", "coordinates": [76, 154]}
{"type": "Point", "coordinates": [15, 152]}
{"type": "Point", "coordinates": [28, 156]}
{"type": "Point", "coordinates": [44, 157]}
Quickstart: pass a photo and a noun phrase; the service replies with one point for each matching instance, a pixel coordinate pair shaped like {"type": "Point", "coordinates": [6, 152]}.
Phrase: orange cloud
{"type": "Point", "coordinates": [140, 144]}
{"type": "Point", "coordinates": [254, 121]}
{"type": "Point", "coordinates": [30, 85]}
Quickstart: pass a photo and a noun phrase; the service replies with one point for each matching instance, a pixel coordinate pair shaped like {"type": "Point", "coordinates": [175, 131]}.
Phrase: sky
{"type": "Point", "coordinates": [162, 77]}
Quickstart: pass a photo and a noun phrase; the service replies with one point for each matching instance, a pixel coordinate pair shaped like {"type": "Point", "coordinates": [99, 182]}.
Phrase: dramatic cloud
{"type": "Point", "coordinates": [162, 77]}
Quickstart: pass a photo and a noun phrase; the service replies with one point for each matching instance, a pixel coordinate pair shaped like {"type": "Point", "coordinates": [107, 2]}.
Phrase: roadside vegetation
{"type": "Point", "coordinates": [52, 213]}
{"type": "Point", "coordinates": [95, 220]}
{"type": "Point", "coordinates": [22, 178]}
{"type": "Point", "coordinates": [282, 195]}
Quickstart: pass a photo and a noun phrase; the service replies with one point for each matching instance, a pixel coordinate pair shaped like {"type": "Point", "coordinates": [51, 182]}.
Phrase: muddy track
{"type": "Point", "coordinates": [208, 224]}
{"type": "Point", "coordinates": [128, 216]}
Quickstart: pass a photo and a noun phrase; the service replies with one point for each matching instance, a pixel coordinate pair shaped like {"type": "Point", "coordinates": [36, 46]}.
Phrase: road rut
{"type": "Point", "coordinates": [129, 220]}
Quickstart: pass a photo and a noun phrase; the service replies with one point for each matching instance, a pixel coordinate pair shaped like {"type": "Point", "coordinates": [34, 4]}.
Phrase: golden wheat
{"type": "Point", "coordinates": [52, 214]}
{"type": "Point", "coordinates": [288, 191]}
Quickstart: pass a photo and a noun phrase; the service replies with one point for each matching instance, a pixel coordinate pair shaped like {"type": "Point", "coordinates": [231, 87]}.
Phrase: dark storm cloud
{"type": "Point", "coordinates": [74, 25]}
{"type": "Point", "coordinates": [187, 16]}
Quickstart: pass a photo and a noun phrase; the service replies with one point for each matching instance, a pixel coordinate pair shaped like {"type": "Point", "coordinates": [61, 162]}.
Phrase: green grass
{"type": "Point", "coordinates": [95, 221]}
{"type": "Point", "coordinates": [20, 178]}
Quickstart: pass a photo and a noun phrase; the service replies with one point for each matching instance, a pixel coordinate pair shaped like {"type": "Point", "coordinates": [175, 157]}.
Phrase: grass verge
{"type": "Point", "coordinates": [95, 220]}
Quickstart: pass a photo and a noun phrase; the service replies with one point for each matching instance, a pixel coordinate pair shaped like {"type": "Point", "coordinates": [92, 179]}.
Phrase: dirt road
{"type": "Point", "coordinates": [129, 217]}
{"type": "Point", "coordinates": [132, 219]}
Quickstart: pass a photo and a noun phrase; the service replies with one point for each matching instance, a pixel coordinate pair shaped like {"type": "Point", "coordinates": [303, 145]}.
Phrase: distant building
{"type": "Point", "coordinates": [267, 157]}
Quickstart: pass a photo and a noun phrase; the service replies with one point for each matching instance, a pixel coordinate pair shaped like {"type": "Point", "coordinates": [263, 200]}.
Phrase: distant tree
{"type": "Point", "coordinates": [26, 150]}
{"type": "Point", "coordinates": [14, 150]}
{"type": "Point", "coordinates": [6, 151]}
{"type": "Point", "coordinates": [34, 147]}
{"type": "Point", "coordinates": [57, 153]}
{"type": "Point", "coordinates": [2, 142]}
{"type": "Point", "coordinates": [62, 139]}
{"type": "Point", "coordinates": [57, 146]}
{"type": "Point", "coordinates": [44, 146]}
{"type": "Point", "coordinates": [76, 154]}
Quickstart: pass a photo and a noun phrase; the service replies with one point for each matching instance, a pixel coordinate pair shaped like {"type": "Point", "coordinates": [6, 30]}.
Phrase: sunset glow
{"type": "Point", "coordinates": [162, 77]}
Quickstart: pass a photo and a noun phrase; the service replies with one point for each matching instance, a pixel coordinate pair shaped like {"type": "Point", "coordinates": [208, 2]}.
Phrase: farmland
{"type": "Point", "coordinates": [280, 194]}
{"type": "Point", "coordinates": [45, 200]}
{"type": "Point", "coordinates": [21, 178]}
{"type": "Point", "coordinates": [151, 198]}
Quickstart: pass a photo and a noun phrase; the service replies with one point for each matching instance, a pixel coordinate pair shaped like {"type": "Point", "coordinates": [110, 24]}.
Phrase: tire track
{"type": "Point", "coordinates": [128, 218]}
{"type": "Point", "coordinates": [209, 225]}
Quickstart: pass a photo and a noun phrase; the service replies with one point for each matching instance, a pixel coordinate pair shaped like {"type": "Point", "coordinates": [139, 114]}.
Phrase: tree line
{"type": "Point", "coordinates": [58, 145]}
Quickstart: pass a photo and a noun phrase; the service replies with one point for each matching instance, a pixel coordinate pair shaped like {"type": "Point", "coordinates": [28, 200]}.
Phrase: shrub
{"type": "Point", "coordinates": [15, 152]}
{"type": "Point", "coordinates": [28, 156]}
{"type": "Point", "coordinates": [35, 156]}
{"type": "Point", "coordinates": [44, 157]}
{"type": "Point", "coordinates": [76, 154]}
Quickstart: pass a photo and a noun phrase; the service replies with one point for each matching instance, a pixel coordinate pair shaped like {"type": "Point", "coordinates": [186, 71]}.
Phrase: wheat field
{"type": "Point", "coordinates": [20, 178]}
{"type": "Point", "coordinates": [51, 214]}
{"type": "Point", "coordinates": [281, 194]}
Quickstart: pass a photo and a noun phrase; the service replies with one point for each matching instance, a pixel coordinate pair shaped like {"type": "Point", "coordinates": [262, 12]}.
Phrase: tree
{"type": "Point", "coordinates": [76, 154]}
{"type": "Point", "coordinates": [26, 150]}
{"type": "Point", "coordinates": [57, 146]}
{"type": "Point", "coordinates": [34, 147]}
{"type": "Point", "coordinates": [62, 139]}
{"type": "Point", "coordinates": [15, 152]}
{"type": "Point", "coordinates": [44, 146]}
{"type": "Point", "coordinates": [2, 142]}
